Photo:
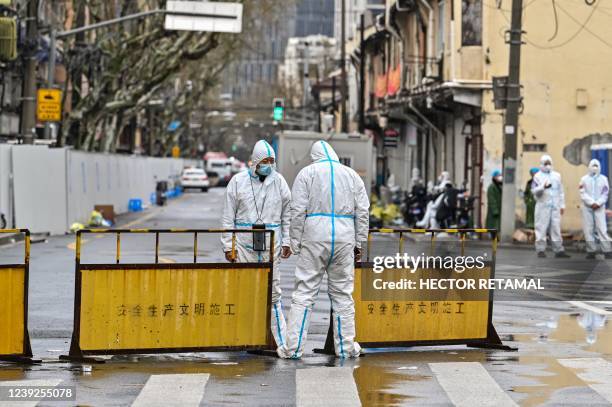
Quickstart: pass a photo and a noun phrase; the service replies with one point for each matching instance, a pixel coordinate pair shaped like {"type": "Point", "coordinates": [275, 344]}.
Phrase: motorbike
{"type": "Point", "coordinates": [456, 209]}
{"type": "Point", "coordinates": [413, 207]}
{"type": "Point", "coordinates": [465, 211]}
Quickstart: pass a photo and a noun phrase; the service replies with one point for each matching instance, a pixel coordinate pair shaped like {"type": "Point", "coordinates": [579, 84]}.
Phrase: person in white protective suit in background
{"type": "Point", "coordinates": [260, 196]}
{"type": "Point", "coordinates": [429, 218]}
{"type": "Point", "coordinates": [415, 179]}
{"type": "Point", "coordinates": [550, 205]}
{"type": "Point", "coordinates": [329, 220]}
{"type": "Point", "coordinates": [594, 191]}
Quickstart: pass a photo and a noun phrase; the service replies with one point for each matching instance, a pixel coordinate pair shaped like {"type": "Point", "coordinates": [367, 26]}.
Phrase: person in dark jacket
{"type": "Point", "coordinates": [529, 200]}
{"type": "Point", "coordinates": [494, 201]}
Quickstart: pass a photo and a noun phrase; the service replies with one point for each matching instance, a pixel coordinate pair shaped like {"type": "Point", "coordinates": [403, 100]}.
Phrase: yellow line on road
{"type": "Point", "coordinates": [140, 220]}
{"type": "Point", "coordinates": [72, 246]}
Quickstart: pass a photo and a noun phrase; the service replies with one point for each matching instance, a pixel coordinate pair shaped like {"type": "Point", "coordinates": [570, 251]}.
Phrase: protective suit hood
{"type": "Point", "coordinates": [321, 150]}
{"type": "Point", "coordinates": [594, 167]}
{"type": "Point", "coordinates": [261, 150]}
{"type": "Point", "coordinates": [546, 158]}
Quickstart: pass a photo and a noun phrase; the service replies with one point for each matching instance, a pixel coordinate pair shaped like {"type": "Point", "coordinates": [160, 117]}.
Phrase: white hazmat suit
{"type": "Point", "coordinates": [594, 190]}
{"type": "Point", "coordinates": [547, 189]}
{"type": "Point", "coordinates": [429, 220]}
{"type": "Point", "coordinates": [329, 218]}
{"type": "Point", "coordinates": [250, 201]}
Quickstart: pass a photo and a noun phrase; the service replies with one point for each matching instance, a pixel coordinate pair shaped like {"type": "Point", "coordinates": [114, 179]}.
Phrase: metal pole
{"type": "Point", "coordinates": [362, 63]}
{"type": "Point", "coordinates": [28, 105]}
{"type": "Point", "coordinates": [50, 73]}
{"type": "Point", "coordinates": [511, 124]}
{"type": "Point", "coordinates": [343, 90]}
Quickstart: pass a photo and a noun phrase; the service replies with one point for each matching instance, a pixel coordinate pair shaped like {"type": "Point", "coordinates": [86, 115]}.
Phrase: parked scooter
{"type": "Point", "coordinates": [456, 209]}
{"type": "Point", "coordinates": [414, 205]}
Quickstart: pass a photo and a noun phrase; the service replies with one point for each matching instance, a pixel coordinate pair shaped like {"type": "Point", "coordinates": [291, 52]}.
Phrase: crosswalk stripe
{"type": "Point", "coordinates": [596, 372]}
{"type": "Point", "coordinates": [172, 390]}
{"type": "Point", "coordinates": [589, 307]}
{"type": "Point", "coordinates": [326, 386]}
{"type": "Point", "coordinates": [469, 384]}
{"type": "Point", "coordinates": [27, 383]}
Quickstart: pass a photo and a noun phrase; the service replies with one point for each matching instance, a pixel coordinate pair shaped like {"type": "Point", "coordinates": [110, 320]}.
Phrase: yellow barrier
{"type": "Point", "coordinates": [170, 307]}
{"type": "Point", "coordinates": [422, 317]}
{"type": "Point", "coordinates": [14, 337]}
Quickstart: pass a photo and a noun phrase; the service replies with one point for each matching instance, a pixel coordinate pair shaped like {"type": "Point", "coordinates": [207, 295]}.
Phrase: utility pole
{"type": "Point", "coordinates": [343, 90]}
{"type": "Point", "coordinates": [362, 62]}
{"type": "Point", "coordinates": [28, 105]}
{"type": "Point", "coordinates": [511, 123]}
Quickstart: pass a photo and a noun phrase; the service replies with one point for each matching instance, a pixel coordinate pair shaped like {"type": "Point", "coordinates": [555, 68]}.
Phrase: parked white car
{"type": "Point", "coordinates": [195, 178]}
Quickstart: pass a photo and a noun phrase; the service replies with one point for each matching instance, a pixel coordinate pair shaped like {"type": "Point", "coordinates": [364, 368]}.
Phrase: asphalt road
{"type": "Point", "coordinates": [564, 352]}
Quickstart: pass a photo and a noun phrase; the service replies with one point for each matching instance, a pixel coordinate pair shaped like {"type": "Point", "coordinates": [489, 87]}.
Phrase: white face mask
{"type": "Point", "coordinates": [547, 167]}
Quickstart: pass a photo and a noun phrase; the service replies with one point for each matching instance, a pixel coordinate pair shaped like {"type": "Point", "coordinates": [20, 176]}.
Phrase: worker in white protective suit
{"type": "Point", "coordinates": [594, 190]}
{"type": "Point", "coordinates": [329, 221]}
{"type": "Point", "coordinates": [429, 220]}
{"type": "Point", "coordinates": [550, 205]}
{"type": "Point", "coordinates": [260, 196]}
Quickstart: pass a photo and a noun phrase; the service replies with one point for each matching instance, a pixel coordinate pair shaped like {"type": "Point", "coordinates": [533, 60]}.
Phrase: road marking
{"type": "Point", "coordinates": [469, 384]}
{"type": "Point", "coordinates": [326, 386]}
{"type": "Point", "coordinates": [172, 390]}
{"type": "Point", "coordinates": [589, 307]}
{"type": "Point", "coordinates": [596, 372]}
{"type": "Point", "coordinates": [72, 246]}
{"type": "Point", "coordinates": [141, 219]}
{"type": "Point", "coordinates": [28, 383]}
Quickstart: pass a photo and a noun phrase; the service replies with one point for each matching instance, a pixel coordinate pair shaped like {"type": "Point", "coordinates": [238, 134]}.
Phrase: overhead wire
{"type": "Point", "coordinates": [554, 7]}
{"type": "Point", "coordinates": [582, 27]}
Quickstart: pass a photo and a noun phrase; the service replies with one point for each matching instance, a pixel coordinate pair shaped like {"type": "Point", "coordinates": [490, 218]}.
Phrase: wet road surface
{"type": "Point", "coordinates": [564, 356]}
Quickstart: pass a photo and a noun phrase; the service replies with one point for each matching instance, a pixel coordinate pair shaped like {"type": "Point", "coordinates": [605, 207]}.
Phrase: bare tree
{"type": "Point", "coordinates": [116, 71]}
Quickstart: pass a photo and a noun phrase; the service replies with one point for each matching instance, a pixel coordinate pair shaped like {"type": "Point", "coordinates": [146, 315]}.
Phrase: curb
{"type": "Point", "coordinates": [11, 238]}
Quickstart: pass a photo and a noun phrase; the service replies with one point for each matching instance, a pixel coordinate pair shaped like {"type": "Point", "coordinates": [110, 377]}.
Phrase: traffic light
{"type": "Point", "coordinates": [278, 113]}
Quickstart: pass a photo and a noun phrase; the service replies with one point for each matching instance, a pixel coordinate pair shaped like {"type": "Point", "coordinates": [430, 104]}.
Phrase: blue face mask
{"type": "Point", "coordinates": [265, 169]}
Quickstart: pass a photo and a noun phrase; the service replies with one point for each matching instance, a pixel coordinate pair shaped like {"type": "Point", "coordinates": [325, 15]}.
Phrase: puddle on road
{"type": "Point", "coordinates": [553, 377]}
{"type": "Point", "coordinates": [380, 376]}
{"type": "Point", "coordinates": [9, 372]}
{"type": "Point", "coordinates": [587, 330]}
{"type": "Point", "coordinates": [591, 331]}
{"type": "Point", "coordinates": [218, 366]}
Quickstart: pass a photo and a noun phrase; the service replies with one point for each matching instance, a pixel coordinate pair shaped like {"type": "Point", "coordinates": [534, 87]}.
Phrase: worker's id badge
{"type": "Point", "coordinates": [259, 238]}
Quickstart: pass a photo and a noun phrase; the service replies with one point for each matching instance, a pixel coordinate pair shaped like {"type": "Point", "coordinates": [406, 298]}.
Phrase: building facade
{"type": "Point", "coordinates": [429, 77]}
{"type": "Point", "coordinates": [307, 61]}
